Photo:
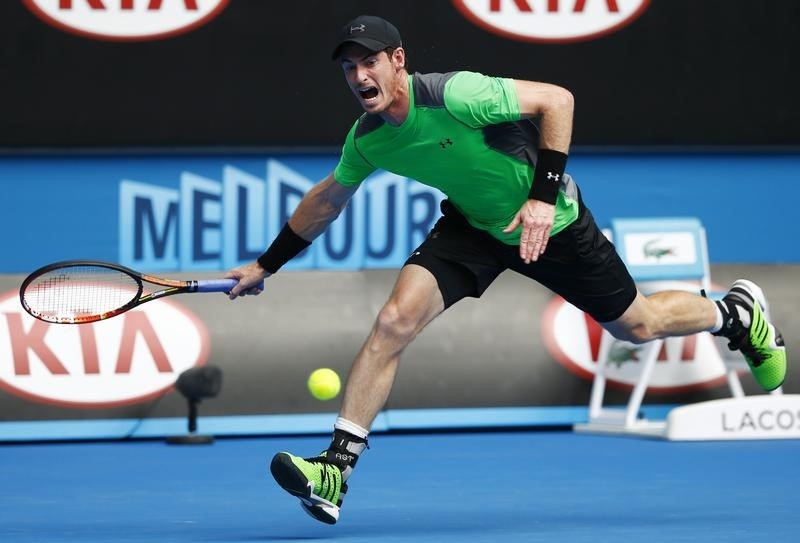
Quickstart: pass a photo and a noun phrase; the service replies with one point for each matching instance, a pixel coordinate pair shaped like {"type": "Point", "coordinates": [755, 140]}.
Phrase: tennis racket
{"type": "Point", "coordinates": [81, 291]}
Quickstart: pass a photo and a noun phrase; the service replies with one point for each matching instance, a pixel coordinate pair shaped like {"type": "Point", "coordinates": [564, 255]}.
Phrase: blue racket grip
{"type": "Point", "coordinates": [219, 285]}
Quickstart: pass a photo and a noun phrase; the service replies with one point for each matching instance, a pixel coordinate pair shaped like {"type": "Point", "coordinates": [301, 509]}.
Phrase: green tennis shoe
{"type": "Point", "coordinates": [317, 483]}
{"type": "Point", "coordinates": [761, 343]}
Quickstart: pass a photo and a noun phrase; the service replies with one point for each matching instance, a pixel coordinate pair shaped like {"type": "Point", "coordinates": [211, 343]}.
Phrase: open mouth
{"type": "Point", "coordinates": [368, 93]}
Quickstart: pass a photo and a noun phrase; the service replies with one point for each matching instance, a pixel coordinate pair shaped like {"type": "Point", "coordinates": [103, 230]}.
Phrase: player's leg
{"type": "Point", "coordinates": [320, 482]}
{"type": "Point", "coordinates": [452, 263]}
{"type": "Point", "coordinates": [666, 313]}
{"type": "Point", "coordinates": [740, 317]}
{"type": "Point", "coordinates": [581, 265]}
{"type": "Point", "coordinates": [414, 302]}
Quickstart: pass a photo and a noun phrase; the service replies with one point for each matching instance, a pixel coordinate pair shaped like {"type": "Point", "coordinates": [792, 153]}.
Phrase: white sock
{"type": "Point", "coordinates": [351, 428]}
{"type": "Point", "coordinates": [718, 324]}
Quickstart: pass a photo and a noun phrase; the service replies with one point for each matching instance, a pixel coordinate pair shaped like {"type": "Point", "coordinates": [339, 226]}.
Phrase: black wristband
{"type": "Point", "coordinates": [547, 176]}
{"type": "Point", "coordinates": [285, 247]}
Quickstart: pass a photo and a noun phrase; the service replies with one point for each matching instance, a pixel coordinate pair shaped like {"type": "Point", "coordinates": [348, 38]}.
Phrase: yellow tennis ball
{"type": "Point", "coordinates": [324, 384]}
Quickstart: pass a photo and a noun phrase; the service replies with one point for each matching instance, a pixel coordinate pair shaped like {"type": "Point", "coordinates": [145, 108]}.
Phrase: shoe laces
{"type": "Point", "coordinates": [327, 470]}
{"type": "Point", "coordinates": [741, 342]}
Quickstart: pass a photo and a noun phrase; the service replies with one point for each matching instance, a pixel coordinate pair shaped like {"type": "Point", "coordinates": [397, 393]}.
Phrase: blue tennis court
{"type": "Point", "coordinates": [487, 486]}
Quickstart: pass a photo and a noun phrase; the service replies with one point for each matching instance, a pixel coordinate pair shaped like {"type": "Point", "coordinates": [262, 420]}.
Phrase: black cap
{"type": "Point", "coordinates": [374, 33]}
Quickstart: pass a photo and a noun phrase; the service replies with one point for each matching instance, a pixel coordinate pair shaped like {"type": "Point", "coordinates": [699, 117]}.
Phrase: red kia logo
{"type": "Point", "coordinates": [126, 20]}
{"type": "Point", "coordinates": [684, 363]}
{"type": "Point", "coordinates": [128, 359]}
{"type": "Point", "coordinates": [551, 21]}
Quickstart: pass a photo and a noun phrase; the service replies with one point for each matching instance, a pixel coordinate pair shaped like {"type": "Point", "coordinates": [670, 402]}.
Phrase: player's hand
{"type": "Point", "coordinates": [251, 278]}
{"type": "Point", "coordinates": [536, 218]}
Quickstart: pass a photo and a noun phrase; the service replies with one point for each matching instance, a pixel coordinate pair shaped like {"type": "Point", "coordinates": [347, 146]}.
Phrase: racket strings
{"type": "Point", "coordinates": [78, 292]}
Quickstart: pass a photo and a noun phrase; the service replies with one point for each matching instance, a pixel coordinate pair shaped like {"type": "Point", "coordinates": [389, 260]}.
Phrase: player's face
{"type": "Point", "coordinates": [373, 77]}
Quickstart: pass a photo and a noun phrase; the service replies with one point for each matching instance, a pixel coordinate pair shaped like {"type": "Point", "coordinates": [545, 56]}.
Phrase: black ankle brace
{"type": "Point", "coordinates": [732, 325]}
{"type": "Point", "coordinates": [345, 449]}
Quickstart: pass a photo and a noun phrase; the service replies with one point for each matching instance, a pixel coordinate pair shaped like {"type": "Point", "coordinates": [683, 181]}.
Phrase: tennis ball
{"type": "Point", "coordinates": [324, 384]}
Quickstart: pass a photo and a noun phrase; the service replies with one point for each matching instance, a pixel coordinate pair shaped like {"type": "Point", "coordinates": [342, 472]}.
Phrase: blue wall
{"type": "Point", "coordinates": [747, 202]}
{"type": "Point", "coordinates": [210, 213]}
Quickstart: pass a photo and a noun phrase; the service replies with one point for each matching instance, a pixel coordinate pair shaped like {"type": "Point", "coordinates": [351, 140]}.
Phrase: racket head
{"type": "Point", "coordinates": [80, 291]}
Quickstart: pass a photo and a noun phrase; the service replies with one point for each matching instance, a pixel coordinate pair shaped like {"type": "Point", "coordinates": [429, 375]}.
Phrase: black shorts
{"type": "Point", "coordinates": [579, 264]}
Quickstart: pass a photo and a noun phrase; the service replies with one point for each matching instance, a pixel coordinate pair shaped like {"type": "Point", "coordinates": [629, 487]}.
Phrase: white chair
{"type": "Point", "coordinates": [659, 250]}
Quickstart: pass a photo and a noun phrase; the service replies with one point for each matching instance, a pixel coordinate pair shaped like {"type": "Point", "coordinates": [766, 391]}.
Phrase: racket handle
{"type": "Point", "coordinates": [219, 285]}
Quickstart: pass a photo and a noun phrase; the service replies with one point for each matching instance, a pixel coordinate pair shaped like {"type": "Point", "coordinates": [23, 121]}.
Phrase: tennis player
{"type": "Point", "coordinates": [510, 205]}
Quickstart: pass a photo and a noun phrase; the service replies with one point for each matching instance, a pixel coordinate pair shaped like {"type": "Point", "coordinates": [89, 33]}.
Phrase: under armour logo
{"type": "Point", "coordinates": [551, 175]}
{"type": "Point", "coordinates": [361, 28]}
{"type": "Point", "coordinates": [445, 143]}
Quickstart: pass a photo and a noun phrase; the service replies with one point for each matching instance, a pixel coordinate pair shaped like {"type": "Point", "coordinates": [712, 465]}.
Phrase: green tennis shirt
{"type": "Point", "coordinates": [464, 135]}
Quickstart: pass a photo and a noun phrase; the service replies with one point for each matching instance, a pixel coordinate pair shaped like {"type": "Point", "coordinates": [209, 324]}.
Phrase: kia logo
{"type": "Point", "coordinates": [551, 21]}
{"type": "Point", "coordinates": [125, 360]}
{"type": "Point", "coordinates": [126, 20]}
{"type": "Point", "coordinates": [684, 364]}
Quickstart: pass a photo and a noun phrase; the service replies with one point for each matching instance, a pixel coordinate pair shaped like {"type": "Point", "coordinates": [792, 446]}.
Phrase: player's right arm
{"type": "Point", "coordinates": [323, 203]}
{"type": "Point", "coordinates": [319, 207]}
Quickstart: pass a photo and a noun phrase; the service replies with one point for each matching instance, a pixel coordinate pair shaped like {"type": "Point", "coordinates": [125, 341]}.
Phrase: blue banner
{"type": "Point", "coordinates": [212, 213]}
{"type": "Point", "coordinates": [200, 214]}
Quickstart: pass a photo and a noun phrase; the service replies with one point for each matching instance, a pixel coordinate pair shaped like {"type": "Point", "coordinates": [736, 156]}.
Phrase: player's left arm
{"type": "Point", "coordinates": [554, 106]}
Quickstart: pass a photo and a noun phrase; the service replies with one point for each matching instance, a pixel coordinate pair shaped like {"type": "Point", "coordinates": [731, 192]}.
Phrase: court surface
{"type": "Point", "coordinates": [493, 486]}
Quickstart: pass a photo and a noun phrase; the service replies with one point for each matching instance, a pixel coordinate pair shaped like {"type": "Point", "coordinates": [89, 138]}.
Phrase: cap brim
{"type": "Point", "coordinates": [372, 45]}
